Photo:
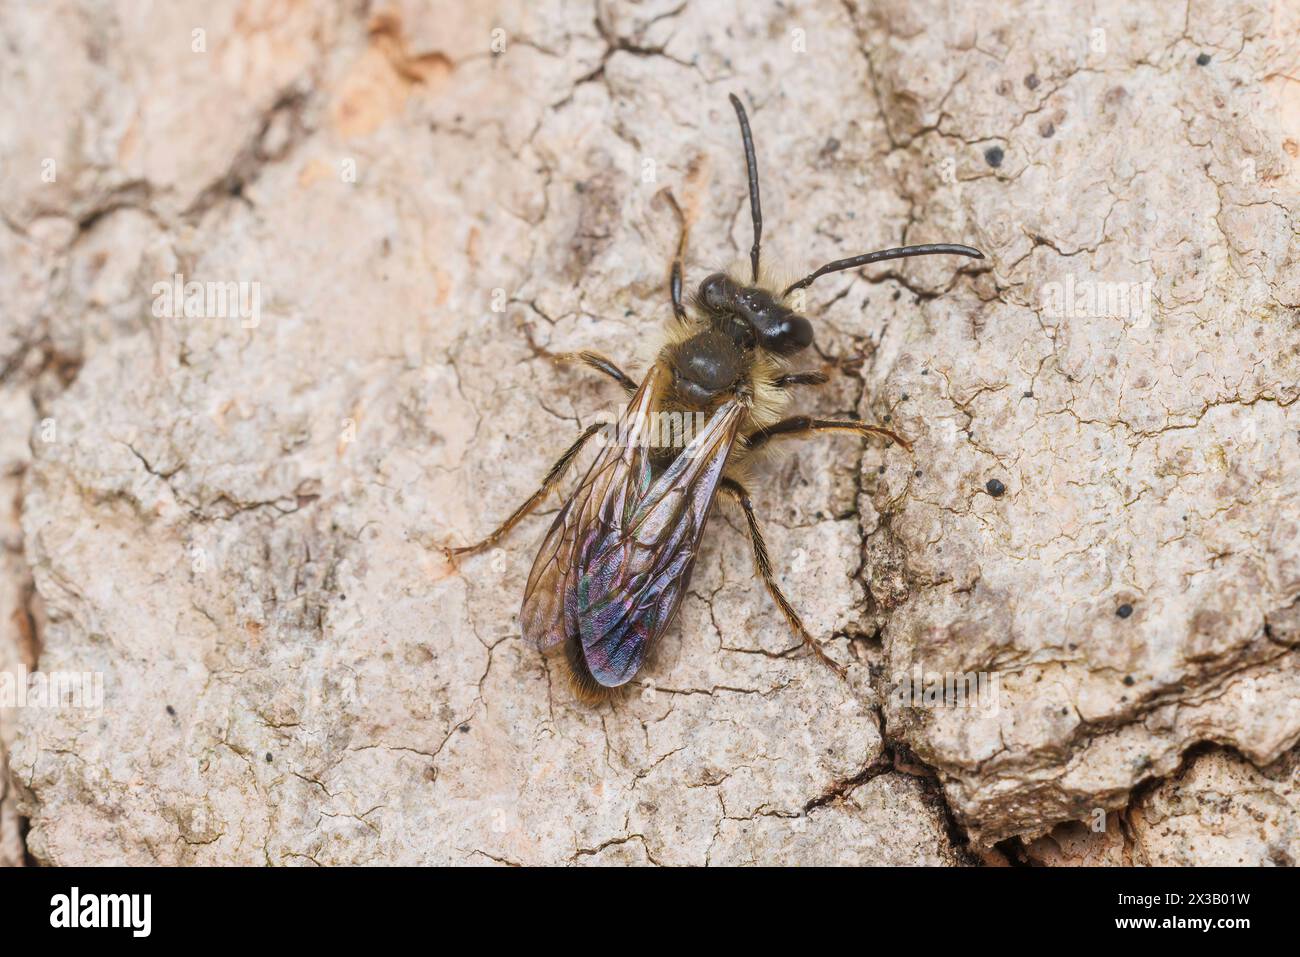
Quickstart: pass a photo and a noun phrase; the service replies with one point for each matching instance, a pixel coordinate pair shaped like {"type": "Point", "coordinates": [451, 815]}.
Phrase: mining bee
{"type": "Point", "coordinates": [617, 560]}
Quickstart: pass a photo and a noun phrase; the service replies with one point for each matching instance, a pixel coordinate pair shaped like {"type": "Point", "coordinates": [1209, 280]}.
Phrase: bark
{"type": "Point", "coordinates": [238, 523]}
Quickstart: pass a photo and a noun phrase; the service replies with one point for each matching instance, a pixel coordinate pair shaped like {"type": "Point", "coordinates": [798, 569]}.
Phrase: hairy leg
{"type": "Point", "coordinates": [595, 360]}
{"type": "Point", "coordinates": [804, 425]}
{"type": "Point", "coordinates": [801, 378]}
{"type": "Point", "coordinates": [764, 565]}
{"type": "Point", "coordinates": [552, 477]}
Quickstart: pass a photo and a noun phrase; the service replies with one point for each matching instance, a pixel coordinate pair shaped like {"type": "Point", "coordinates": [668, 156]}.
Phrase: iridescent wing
{"type": "Point", "coordinates": [632, 578]}
{"type": "Point", "coordinates": [615, 482]}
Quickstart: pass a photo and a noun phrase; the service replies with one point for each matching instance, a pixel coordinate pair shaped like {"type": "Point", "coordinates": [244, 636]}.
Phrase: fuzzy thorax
{"type": "Point", "coordinates": [760, 368]}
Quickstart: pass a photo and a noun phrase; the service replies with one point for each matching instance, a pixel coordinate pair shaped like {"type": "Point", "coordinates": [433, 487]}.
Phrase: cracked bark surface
{"type": "Point", "coordinates": [239, 526]}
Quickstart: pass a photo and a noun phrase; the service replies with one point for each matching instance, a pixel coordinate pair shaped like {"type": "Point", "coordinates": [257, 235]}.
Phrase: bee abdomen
{"type": "Point", "coordinates": [584, 684]}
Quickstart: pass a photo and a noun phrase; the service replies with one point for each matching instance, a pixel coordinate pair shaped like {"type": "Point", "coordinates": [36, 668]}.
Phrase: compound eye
{"type": "Point", "coordinates": [715, 291]}
{"type": "Point", "coordinates": [789, 335]}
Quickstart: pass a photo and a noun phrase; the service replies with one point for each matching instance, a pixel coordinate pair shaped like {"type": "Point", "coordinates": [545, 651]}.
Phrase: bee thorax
{"type": "Point", "coordinates": [705, 366]}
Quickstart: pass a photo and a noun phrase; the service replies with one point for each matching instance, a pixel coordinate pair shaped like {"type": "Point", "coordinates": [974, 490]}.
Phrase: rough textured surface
{"type": "Point", "coordinates": [1218, 810]}
{"type": "Point", "coordinates": [238, 525]}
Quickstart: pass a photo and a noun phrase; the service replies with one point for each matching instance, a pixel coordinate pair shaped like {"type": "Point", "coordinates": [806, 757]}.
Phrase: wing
{"type": "Point", "coordinates": [632, 579]}
{"type": "Point", "coordinates": [613, 485]}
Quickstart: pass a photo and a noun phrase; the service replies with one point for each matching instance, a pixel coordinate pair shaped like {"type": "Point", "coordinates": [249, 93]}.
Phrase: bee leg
{"type": "Point", "coordinates": [675, 279]}
{"type": "Point", "coordinates": [803, 425]}
{"type": "Point", "coordinates": [552, 477]}
{"type": "Point", "coordinates": [801, 378]}
{"type": "Point", "coordinates": [598, 362]}
{"type": "Point", "coordinates": [764, 565]}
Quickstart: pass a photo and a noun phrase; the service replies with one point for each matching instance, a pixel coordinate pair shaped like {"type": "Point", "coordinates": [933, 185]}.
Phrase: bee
{"type": "Point", "coordinates": [612, 570]}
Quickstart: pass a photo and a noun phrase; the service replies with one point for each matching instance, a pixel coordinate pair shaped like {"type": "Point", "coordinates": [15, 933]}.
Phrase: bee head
{"type": "Point", "coordinates": [751, 315]}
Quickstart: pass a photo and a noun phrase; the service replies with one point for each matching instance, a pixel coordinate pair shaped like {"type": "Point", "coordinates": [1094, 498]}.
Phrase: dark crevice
{"type": "Point", "coordinates": [840, 789]}
{"type": "Point", "coordinates": [1013, 850]}
{"type": "Point", "coordinates": [904, 760]}
{"type": "Point", "coordinates": [24, 828]}
{"type": "Point", "coordinates": [249, 160]}
{"type": "Point", "coordinates": [897, 758]}
{"type": "Point", "coordinates": [133, 195]}
{"type": "Point", "coordinates": [619, 44]}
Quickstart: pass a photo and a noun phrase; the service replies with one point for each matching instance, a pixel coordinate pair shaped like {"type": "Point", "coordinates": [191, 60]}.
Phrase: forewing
{"type": "Point", "coordinates": [606, 497]}
{"type": "Point", "coordinates": [632, 582]}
